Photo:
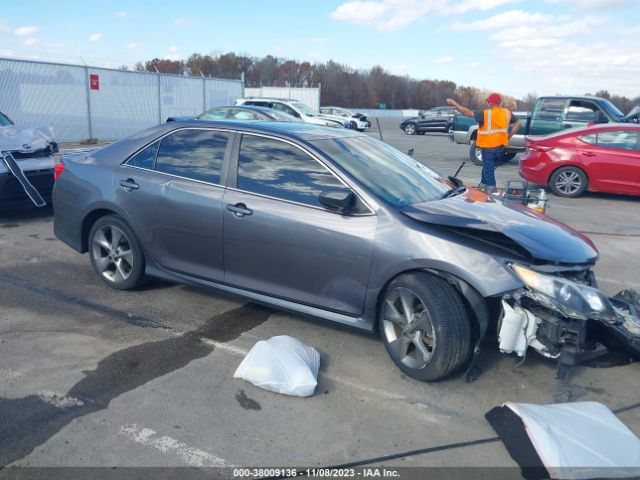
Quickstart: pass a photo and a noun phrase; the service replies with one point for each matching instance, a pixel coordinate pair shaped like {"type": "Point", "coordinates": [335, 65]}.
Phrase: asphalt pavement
{"type": "Point", "coordinates": [93, 377]}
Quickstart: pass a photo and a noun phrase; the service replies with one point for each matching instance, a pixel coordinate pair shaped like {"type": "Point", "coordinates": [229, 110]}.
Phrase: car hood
{"type": "Point", "coordinates": [25, 140]}
{"type": "Point", "coordinates": [543, 238]}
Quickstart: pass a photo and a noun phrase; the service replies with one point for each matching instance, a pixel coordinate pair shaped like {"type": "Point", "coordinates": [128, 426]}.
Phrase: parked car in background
{"type": "Point", "coordinates": [295, 108]}
{"type": "Point", "coordinates": [34, 151]}
{"type": "Point", "coordinates": [358, 120]}
{"type": "Point", "coordinates": [241, 112]}
{"type": "Point", "coordinates": [335, 224]}
{"type": "Point", "coordinates": [549, 115]}
{"type": "Point", "coordinates": [437, 119]}
{"type": "Point", "coordinates": [601, 158]}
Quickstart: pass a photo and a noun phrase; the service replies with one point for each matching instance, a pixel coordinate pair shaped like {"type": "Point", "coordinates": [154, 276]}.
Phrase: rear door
{"type": "Point", "coordinates": [172, 191]}
{"type": "Point", "coordinates": [612, 159]}
{"type": "Point", "coordinates": [286, 244]}
{"type": "Point", "coordinates": [547, 116]}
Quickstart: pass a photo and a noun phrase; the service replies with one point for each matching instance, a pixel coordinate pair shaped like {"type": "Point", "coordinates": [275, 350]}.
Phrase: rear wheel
{"type": "Point", "coordinates": [425, 326]}
{"type": "Point", "coordinates": [568, 182]}
{"type": "Point", "coordinates": [410, 128]}
{"type": "Point", "coordinates": [116, 254]}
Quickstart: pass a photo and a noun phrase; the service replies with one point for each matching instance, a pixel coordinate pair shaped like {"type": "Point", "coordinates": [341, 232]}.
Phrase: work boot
{"type": "Point", "coordinates": [490, 190]}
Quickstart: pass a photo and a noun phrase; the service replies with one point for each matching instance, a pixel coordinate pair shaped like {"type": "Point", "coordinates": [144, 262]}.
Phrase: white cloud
{"type": "Point", "coordinates": [5, 29]}
{"type": "Point", "coordinates": [319, 40]}
{"type": "Point", "coordinates": [183, 23]}
{"type": "Point", "coordinates": [95, 37]}
{"type": "Point", "coordinates": [474, 64]}
{"type": "Point", "coordinates": [508, 19]}
{"type": "Point", "coordinates": [121, 13]}
{"type": "Point", "coordinates": [598, 4]}
{"type": "Point", "coordinates": [173, 49]}
{"type": "Point", "coordinates": [387, 15]}
{"type": "Point", "coordinates": [30, 41]}
{"type": "Point", "coordinates": [443, 60]}
{"type": "Point", "coordinates": [25, 31]}
{"type": "Point", "coordinates": [132, 45]}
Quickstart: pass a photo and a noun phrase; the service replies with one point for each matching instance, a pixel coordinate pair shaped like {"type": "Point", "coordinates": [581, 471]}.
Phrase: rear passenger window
{"type": "Point", "coordinates": [622, 139]}
{"type": "Point", "coordinates": [145, 158]}
{"type": "Point", "coordinates": [193, 153]}
{"type": "Point", "coordinates": [276, 169]}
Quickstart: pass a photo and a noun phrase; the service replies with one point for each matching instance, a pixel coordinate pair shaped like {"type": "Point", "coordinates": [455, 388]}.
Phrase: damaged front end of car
{"type": "Point", "coordinates": [561, 314]}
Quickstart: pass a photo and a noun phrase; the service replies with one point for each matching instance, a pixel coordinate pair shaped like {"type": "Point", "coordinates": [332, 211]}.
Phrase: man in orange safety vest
{"type": "Point", "coordinates": [495, 126]}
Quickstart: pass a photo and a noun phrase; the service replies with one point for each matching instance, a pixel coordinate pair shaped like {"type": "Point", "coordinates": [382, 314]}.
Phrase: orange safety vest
{"type": "Point", "coordinates": [494, 130]}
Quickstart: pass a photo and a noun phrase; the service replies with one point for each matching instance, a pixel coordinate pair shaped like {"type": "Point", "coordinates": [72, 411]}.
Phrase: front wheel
{"type": "Point", "coordinates": [116, 254]}
{"type": "Point", "coordinates": [475, 154]}
{"type": "Point", "coordinates": [410, 128]}
{"type": "Point", "coordinates": [425, 326]}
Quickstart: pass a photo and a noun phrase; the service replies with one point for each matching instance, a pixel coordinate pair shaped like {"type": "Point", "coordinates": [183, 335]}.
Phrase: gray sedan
{"type": "Point", "coordinates": [334, 224]}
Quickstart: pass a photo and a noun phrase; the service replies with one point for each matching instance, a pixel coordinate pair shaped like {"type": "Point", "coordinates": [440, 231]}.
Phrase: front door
{"type": "Point", "coordinates": [280, 241]}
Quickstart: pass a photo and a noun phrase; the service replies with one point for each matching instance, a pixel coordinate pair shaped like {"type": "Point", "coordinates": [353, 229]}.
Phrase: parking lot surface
{"type": "Point", "coordinates": [90, 376]}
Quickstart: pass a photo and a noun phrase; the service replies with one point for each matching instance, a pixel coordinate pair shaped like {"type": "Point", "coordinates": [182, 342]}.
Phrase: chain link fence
{"type": "Point", "coordinates": [82, 102]}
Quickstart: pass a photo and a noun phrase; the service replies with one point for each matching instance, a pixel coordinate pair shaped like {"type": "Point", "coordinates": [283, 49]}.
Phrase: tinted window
{"type": "Point", "coordinates": [551, 109]}
{"type": "Point", "coordinates": [623, 139]}
{"type": "Point", "coordinates": [193, 153]}
{"type": "Point", "coordinates": [277, 169]}
{"type": "Point", "coordinates": [284, 108]}
{"type": "Point", "coordinates": [145, 158]}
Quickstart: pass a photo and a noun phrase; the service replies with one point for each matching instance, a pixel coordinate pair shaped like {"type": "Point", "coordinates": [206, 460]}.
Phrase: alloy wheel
{"type": "Point", "coordinates": [410, 129]}
{"type": "Point", "coordinates": [568, 182]}
{"type": "Point", "coordinates": [408, 328]}
{"type": "Point", "coordinates": [112, 253]}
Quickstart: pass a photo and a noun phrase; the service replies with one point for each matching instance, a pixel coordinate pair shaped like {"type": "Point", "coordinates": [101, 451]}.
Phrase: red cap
{"type": "Point", "coordinates": [494, 99]}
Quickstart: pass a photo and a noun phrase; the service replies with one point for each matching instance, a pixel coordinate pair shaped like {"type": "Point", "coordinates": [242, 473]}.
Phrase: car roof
{"type": "Point", "coordinates": [304, 131]}
{"type": "Point", "coordinates": [256, 108]}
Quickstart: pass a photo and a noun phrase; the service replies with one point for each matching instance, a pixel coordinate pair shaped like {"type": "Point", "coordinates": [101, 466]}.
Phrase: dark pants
{"type": "Point", "coordinates": [491, 158]}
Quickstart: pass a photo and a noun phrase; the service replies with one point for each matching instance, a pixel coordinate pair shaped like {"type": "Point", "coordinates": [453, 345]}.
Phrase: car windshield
{"type": "Point", "coordinates": [388, 173]}
{"type": "Point", "coordinates": [611, 109]}
{"type": "Point", "coordinates": [4, 121]}
{"type": "Point", "coordinates": [304, 109]}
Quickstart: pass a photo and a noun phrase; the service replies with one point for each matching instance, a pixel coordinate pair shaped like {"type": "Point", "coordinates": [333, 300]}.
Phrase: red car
{"type": "Point", "coordinates": [599, 158]}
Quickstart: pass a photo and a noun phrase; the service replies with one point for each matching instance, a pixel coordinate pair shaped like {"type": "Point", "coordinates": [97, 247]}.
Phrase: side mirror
{"type": "Point", "coordinates": [338, 199]}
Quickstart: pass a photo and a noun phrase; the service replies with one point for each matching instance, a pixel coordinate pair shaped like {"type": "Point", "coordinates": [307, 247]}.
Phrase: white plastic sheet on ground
{"type": "Point", "coordinates": [281, 364]}
{"type": "Point", "coordinates": [580, 440]}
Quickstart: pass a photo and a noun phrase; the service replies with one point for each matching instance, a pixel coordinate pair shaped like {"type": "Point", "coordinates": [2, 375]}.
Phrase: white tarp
{"type": "Point", "coordinates": [580, 440]}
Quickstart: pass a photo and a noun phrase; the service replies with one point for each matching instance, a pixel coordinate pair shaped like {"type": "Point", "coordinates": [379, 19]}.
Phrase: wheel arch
{"type": "Point", "coordinates": [477, 306]}
{"type": "Point", "coordinates": [94, 214]}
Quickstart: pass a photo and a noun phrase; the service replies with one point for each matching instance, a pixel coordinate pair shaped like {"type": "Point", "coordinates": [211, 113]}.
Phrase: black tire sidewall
{"type": "Point", "coordinates": [137, 275]}
{"type": "Point", "coordinates": [556, 174]}
{"type": "Point", "coordinates": [451, 324]}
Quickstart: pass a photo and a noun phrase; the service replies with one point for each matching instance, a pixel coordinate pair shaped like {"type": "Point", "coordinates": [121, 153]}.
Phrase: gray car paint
{"type": "Point", "coordinates": [344, 261]}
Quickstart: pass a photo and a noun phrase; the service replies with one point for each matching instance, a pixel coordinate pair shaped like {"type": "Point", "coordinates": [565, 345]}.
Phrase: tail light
{"type": "Point", "coordinates": [58, 168]}
{"type": "Point", "coordinates": [538, 148]}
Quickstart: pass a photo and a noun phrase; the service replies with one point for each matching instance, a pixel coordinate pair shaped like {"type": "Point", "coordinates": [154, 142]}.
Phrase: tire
{"type": "Point", "coordinates": [508, 156]}
{"type": "Point", "coordinates": [410, 129]}
{"type": "Point", "coordinates": [436, 341]}
{"type": "Point", "coordinates": [474, 153]}
{"type": "Point", "coordinates": [120, 266]}
{"type": "Point", "coordinates": [568, 182]}
{"type": "Point", "coordinates": [353, 125]}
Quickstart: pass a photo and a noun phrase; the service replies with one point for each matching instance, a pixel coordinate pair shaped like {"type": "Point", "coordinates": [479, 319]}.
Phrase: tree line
{"type": "Point", "coordinates": [344, 86]}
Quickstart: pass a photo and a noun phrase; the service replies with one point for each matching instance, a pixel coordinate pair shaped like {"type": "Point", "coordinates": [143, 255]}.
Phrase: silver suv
{"type": "Point", "coordinates": [295, 108]}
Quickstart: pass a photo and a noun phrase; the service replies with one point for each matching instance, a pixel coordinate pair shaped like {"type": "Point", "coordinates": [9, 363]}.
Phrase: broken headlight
{"type": "Point", "coordinates": [572, 299]}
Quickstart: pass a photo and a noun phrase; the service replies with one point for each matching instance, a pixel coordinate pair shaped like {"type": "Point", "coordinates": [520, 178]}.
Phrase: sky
{"type": "Point", "coordinates": [514, 47]}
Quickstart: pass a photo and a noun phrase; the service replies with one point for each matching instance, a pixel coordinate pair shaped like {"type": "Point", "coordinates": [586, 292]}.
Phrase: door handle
{"type": "Point", "coordinates": [567, 125]}
{"type": "Point", "coordinates": [589, 154]}
{"type": "Point", "coordinates": [239, 209]}
{"type": "Point", "coordinates": [129, 184]}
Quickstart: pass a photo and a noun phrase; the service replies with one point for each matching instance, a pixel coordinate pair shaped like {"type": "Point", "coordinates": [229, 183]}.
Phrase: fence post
{"type": "Point", "coordinates": [204, 93]}
{"type": "Point", "coordinates": [159, 97]}
{"type": "Point", "coordinates": [242, 85]}
{"type": "Point", "coordinates": [87, 82]}
{"type": "Point", "coordinates": [319, 90]}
